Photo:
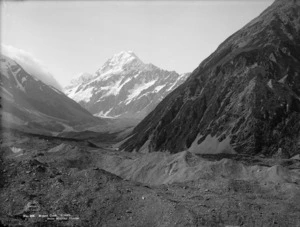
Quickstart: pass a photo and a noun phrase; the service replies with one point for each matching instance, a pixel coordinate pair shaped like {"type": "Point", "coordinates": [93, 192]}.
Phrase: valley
{"type": "Point", "coordinates": [133, 144]}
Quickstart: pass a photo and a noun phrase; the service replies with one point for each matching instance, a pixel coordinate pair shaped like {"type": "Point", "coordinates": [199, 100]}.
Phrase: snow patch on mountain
{"type": "Point", "coordinates": [23, 79]}
{"type": "Point", "coordinates": [270, 85]}
{"type": "Point", "coordinates": [158, 88]}
{"type": "Point", "coordinates": [114, 89]}
{"type": "Point", "coordinates": [85, 95]}
{"type": "Point", "coordinates": [104, 76]}
{"type": "Point", "coordinates": [179, 80]}
{"type": "Point", "coordinates": [105, 115]}
{"type": "Point", "coordinates": [81, 78]}
{"type": "Point", "coordinates": [19, 84]}
{"type": "Point", "coordinates": [137, 89]}
{"type": "Point", "coordinates": [283, 79]}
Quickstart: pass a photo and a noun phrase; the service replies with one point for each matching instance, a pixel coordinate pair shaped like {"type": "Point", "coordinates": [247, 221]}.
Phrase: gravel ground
{"type": "Point", "coordinates": [48, 176]}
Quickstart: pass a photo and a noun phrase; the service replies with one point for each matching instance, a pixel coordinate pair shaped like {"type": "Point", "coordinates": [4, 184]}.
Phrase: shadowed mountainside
{"type": "Point", "coordinates": [28, 102]}
{"type": "Point", "coordinates": [243, 98]}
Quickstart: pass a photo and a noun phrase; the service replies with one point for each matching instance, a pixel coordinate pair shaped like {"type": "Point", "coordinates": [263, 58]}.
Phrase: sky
{"type": "Point", "coordinates": [66, 38]}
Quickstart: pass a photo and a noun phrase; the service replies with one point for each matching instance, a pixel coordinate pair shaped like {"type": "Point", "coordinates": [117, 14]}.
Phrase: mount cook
{"type": "Point", "coordinates": [124, 87]}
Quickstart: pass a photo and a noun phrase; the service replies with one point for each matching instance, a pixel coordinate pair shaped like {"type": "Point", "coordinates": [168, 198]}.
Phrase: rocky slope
{"type": "Point", "coordinates": [27, 101]}
{"type": "Point", "coordinates": [124, 87]}
{"type": "Point", "coordinates": [245, 97]}
{"type": "Point", "coordinates": [48, 176]}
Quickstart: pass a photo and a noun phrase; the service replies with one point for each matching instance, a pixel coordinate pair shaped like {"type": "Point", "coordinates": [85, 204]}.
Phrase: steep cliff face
{"type": "Point", "coordinates": [243, 98]}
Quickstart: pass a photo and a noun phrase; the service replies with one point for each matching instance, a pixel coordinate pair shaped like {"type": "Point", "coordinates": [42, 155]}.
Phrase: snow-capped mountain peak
{"type": "Point", "coordinates": [125, 87]}
{"type": "Point", "coordinates": [124, 57]}
{"type": "Point", "coordinates": [125, 60]}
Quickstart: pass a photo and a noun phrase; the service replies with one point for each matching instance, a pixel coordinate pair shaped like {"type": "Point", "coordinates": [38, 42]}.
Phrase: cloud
{"type": "Point", "coordinates": [30, 64]}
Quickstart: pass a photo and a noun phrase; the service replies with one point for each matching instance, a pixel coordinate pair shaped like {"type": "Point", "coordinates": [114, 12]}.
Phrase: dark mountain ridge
{"type": "Point", "coordinates": [245, 94]}
{"type": "Point", "coordinates": [28, 102]}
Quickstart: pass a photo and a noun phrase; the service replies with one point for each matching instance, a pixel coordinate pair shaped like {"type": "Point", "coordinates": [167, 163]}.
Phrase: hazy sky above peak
{"type": "Point", "coordinates": [70, 37]}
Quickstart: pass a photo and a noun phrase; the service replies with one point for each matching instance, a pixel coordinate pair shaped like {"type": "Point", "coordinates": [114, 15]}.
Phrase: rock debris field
{"type": "Point", "coordinates": [58, 182]}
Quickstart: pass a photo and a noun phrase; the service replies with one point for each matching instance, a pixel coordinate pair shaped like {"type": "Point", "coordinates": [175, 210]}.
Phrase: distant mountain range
{"type": "Point", "coordinates": [244, 98]}
{"type": "Point", "coordinates": [124, 87]}
{"type": "Point", "coordinates": [29, 103]}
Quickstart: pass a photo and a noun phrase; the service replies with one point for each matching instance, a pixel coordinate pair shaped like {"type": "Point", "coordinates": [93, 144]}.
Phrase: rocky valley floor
{"type": "Point", "coordinates": [75, 183]}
